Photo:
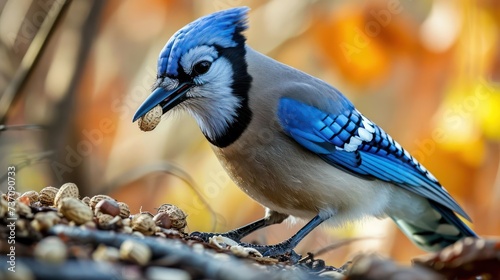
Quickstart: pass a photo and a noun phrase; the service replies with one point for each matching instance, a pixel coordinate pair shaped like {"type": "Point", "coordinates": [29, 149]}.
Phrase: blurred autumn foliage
{"type": "Point", "coordinates": [427, 71]}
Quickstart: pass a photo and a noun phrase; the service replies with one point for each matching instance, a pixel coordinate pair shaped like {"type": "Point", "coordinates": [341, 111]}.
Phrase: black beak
{"type": "Point", "coordinates": [167, 99]}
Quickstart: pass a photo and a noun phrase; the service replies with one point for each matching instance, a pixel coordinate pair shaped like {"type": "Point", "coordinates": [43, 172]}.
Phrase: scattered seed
{"type": "Point", "coordinates": [222, 242]}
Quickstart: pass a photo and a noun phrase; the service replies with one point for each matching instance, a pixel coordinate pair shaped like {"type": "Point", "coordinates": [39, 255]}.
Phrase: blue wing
{"type": "Point", "coordinates": [351, 142]}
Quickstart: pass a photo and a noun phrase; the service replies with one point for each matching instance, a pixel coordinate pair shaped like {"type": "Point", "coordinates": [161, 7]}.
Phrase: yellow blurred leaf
{"type": "Point", "coordinates": [489, 111]}
{"type": "Point", "coordinates": [459, 121]}
{"type": "Point", "coordinates": [345, 44]}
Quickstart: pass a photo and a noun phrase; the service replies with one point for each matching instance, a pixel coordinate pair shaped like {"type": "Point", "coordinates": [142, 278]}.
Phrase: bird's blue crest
{"type": "Point", "coordinates": [218, 28]}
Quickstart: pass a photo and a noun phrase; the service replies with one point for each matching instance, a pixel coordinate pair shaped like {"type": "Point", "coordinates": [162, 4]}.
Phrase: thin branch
{"type": "Point", "coordinates": [29, 160]}
{"type": "Point", "coordinates": [339, 244]}
{"type": "Point", "coordinates": [165, 167]}
{"type": "Point", "coordinates": [21, 127]}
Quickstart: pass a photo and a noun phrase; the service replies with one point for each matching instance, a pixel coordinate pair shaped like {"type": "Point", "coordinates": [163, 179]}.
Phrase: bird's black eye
{"type": "Point", "coordinates": [201, 67]}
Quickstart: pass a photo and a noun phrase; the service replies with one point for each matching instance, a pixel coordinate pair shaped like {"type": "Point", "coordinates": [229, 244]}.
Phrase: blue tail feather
{"type": "Point", "coordinates": [434, 229]}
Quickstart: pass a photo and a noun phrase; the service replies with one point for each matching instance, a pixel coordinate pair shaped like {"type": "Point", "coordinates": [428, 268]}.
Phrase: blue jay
{"type": "Point", "coordinates": [294, 143]}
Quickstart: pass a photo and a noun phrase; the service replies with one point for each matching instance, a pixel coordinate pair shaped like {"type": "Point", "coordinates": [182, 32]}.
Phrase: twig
{"type": "Point", "coordinates": [29, 160]}
{"type": "Point", "coordinates": [166, 167]}
{"type": "Point", "coordinates": [339, 244]}
{"type": "Point", "coordinates": [20, 127]}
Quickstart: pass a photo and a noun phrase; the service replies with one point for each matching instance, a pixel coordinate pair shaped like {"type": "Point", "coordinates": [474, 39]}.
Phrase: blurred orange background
{"type": "Point", "coordinates": [428, 72]}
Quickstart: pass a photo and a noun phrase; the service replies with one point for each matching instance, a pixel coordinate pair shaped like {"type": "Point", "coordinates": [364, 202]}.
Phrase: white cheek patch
{"type": "Point", "coordinates": [214, 105]}
{"type": "Point", "coordinates": [215, 85]}
{"type": "Point", "coordinates": [219, 76]}
{"type": "Point", "coordinates": [197, 54]}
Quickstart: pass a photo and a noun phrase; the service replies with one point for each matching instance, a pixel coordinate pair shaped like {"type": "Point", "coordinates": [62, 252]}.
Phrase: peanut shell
{"type": "Point", "coordinates": [144, 224]}
{"type": "Point", "coordinates": [124, 210]}
{"type": "Point", "coordinates": [75, 210]}
{"type": "Point", "coordinates": [66, 190]}
{"type": "Point", "coordinates": [152, 118]}
{"type": "Point", "coordinates": [32, 197]}
{"type": "Point", "coordinates": [47, 195]}
{"type": "Point", "coordinates": [177, 216]}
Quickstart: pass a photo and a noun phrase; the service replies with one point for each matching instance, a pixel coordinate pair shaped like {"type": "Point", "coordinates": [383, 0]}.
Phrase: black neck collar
{"type": "Point", "coordinates": [241, 86]}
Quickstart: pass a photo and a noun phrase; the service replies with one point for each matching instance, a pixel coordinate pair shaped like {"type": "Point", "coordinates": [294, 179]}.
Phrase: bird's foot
{"type": "Point", "coordinates": [283, 251]}
{"type": "Point", "coordinates": [205, 236]}
{"type": "Point", "coordinates": [239, 233]}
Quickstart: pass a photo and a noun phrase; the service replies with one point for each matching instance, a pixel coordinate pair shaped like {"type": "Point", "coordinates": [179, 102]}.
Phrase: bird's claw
{"type": "Point", "coordinates": [205, 236]}
{"type": "Point", "coordinates": [202, 235]}
{"type": "Point", "coordinates": [276, 251]}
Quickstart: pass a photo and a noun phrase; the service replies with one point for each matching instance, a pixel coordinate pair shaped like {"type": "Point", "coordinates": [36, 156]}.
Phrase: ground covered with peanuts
{"type": "Point", "coordinates": [59, 235]}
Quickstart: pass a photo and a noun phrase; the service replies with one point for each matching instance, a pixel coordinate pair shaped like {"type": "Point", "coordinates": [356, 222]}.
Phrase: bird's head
{"type": "Point", "coordinates": [202, 69]}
